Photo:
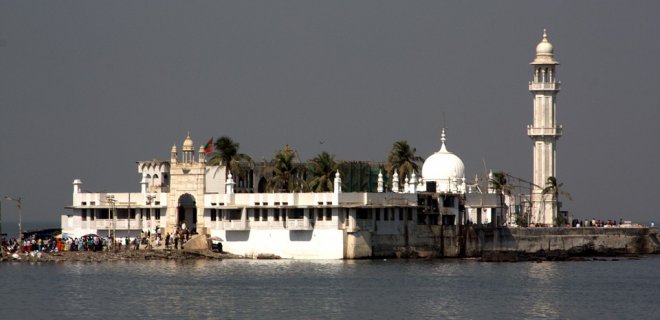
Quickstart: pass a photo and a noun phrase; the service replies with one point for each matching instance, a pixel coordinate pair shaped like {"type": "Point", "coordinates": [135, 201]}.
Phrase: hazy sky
{"type": "Point", "coordinates": [89, 87]}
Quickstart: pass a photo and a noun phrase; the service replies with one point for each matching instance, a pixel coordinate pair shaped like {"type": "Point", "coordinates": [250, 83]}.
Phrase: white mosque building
{"type": "Point", "coordinates": [186, 193]}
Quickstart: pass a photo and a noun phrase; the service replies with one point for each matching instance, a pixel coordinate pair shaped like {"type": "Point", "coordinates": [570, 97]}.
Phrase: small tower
{"type": "Point", "coordinates": [544, 130]}
{"type": "Point", "coordinates": [491, 183]}
{"type": "Point", "coordinates": [174, 154]}
{"type": "Point", "coordinates": [413, 183]}
{"type": "Point", "coordinates": [380, 181]}
{"type": "Point", "coordinates": [77, 183]}
{"type": "Point", "coordinates": [395, 182]}
{"type": "Point", "coordinates": [337, 183]}
{"type": "Point", "coordinates": [201, 156]}
{"type": "Point", "coordinates": [143, 185]}
{"type": "Point", "coordinates": [406, 185]}
{"type": "Point", "coordinates": [188, 150]}
{"type": "Point", "coordinates": [229, 184]}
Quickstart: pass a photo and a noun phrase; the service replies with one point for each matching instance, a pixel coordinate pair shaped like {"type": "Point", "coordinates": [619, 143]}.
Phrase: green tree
{"type": "Point", "coordinates": [402, 158]}
{"type": "Point", "coordinates": [554, 189]}
{"type": "Point", "coordinates": [502, 187]}
{"type": "Point", "coordinates": [322, 171]}
{"type": "Point", "coordinates": [500, 183]}
{"type": "Point", "coordinates": [226, 154]}
{"type": "Point", "coordinates": [287, 172]}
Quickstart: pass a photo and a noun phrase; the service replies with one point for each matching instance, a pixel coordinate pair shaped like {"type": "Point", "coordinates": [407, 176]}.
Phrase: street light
{"type": "Point", "coordinates": [111, 200]}
{"type": "Point", "coordinates": [19, 204]}
{"type": "Point", "coordinates": [150, 199]}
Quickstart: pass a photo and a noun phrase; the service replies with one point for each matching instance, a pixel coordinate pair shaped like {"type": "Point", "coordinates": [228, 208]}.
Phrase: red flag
{"type": "Point", "coordinates": [208, 147]}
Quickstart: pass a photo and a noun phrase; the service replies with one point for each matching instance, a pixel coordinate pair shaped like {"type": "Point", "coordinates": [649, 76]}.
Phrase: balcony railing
{"type": "Point", "coordinates": [235, 225]}
{"type": "Point", "coordinates": [543, 86]}
{"type": "Point", "coordinates": [299, 224]}
{"type": "Point", "coordinates": [532, 131]}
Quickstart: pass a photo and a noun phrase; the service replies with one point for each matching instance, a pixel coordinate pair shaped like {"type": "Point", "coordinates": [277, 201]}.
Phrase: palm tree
{"type": "Point", "coordinates": [287, 174]}
{"type": "Point", "coordinates": [402, 158]}
{"type": "Point", "coordinates": [501, 185]}
{"type": "Point", "coordinates": [553, 188]}
{"type": "Point", "coordinates": [322, 171]}
{"type": "Point", "coordinates": [226, 154]}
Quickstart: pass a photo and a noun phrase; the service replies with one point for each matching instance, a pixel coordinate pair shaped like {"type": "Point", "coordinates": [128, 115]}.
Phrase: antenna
{"type": "Point", "coordinates": [444, 120]}
{"type": "Point", "coordinates": [485, 174]}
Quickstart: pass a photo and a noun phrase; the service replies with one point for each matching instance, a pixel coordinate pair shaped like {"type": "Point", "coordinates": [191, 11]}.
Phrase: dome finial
{"type": "Point", "coordinates": [443, 138]}
{"type": "Point", "coordinates": [545, 34]}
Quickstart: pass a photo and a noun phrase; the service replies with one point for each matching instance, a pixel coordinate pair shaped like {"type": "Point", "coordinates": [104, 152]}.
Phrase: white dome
{"type": "Point", "coordinates": [544, 47]}
{"type": "Point", "coordinates": [445, 169]}
{"type": "Point", "coordinates": [188, 143]}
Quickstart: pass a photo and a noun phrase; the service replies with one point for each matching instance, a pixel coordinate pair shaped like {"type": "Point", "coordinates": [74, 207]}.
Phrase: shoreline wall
{"type": "Point", "coordinates": [473, 241]}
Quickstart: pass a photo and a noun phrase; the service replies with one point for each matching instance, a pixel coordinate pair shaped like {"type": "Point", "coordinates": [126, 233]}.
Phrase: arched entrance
{"type": "Point", "coordinates": [262, 185]}
{"type": "Point", "coordinates": [187, 212]}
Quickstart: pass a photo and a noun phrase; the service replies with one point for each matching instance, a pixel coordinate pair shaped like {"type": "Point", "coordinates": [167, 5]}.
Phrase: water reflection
{"type": "Point", "coordinates": [284, 289]}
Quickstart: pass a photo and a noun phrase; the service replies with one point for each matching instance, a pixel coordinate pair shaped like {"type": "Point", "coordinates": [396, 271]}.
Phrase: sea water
{"type": "Point", "coordinates": [364, 289]}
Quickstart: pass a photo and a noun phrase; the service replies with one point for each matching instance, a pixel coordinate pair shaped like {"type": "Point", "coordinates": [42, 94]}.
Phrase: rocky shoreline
{"type": "Point", "coordinates": [184, 255]}
{"type": "Point", "coordinates": [130, 255]}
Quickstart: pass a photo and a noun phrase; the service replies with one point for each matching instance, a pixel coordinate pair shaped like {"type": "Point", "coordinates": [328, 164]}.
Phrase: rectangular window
{"type": "Point", "coordinates": [409, 215]}
{"type": "Point", "coordinates": [297, 213]}
{"type": "Point", "coordinates": [362, 214]}
{"type": "Point", "coordinates": [147, 213]}
{"type": "Point", "coordinates": [214, 214]}
{"type": "Point", "coordinates": [84, 203]}
{"type": "Point", "coordinates": [377, 213]}
{"type": "Point", "coordinates": [83, 214]}
{"type": "Point", "coordinates": [157, 214]}
{"type": "Point", "coordinates": [386, 214]}
{"type": "Point", "coordinates": [276, 215]}
{"type": "Point", "coordinates": [132, 213]}
{"type": "Point", "coordinates": [92, 212]}
{"type": "Point", "coordinates": [328, 214]}
{"type": "Point", "coordinates": [400, 214]}
{"type": "Point", "coordinates": [319, 214]}
{"type": "Point", "coordinates": [257, 214]}
{"type": "Point", "coordinates": [264, 214]}
{"type": "Point", "coordinates": [235, 214]}
{"type": "Point", "coordinates": [92, 203]}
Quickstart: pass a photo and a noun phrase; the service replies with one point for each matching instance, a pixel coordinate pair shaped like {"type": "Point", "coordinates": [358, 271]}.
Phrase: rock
{"type": "Point", "coordinates": [266, 256]}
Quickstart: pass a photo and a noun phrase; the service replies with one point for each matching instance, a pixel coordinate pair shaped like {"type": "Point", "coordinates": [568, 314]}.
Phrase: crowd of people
{"type": "Point", "coordinates": [91, 242]}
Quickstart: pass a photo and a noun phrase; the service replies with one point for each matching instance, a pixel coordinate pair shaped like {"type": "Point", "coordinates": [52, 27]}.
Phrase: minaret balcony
{"type": "Point", "coordinates": [544, 132]}
{"type": "Point", "coordinates": [544, 86]}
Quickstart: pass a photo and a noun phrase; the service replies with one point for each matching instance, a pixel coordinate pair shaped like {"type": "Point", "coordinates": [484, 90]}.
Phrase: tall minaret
{"type": "Point", "coordinates": [544, 132]}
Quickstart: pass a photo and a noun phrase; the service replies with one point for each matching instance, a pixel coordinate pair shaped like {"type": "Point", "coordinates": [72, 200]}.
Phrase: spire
{"type": "Point", "coordinates": [443, 138]}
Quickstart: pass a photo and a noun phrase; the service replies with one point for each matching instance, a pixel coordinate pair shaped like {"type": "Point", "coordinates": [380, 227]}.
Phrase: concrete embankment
{"type": "Point", "coordinates": [513, 244]}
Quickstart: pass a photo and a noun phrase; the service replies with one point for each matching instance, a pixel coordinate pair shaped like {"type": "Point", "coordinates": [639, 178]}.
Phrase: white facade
{"type": "Point", "coordinates": [185, 191]}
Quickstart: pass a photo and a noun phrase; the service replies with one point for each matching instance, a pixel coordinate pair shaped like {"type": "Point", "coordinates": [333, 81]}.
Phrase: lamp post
{"type": "Point", "coordinates": [111, 200]}
{"type": "Point", "coordinates": [19, 204]}
{"type": "Point", "coordinates": [150, 199]}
